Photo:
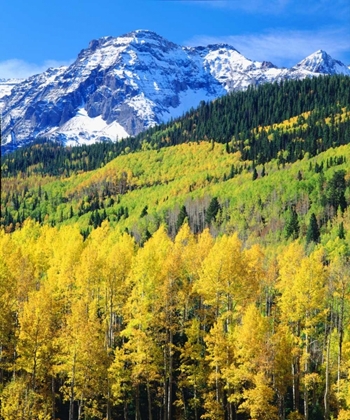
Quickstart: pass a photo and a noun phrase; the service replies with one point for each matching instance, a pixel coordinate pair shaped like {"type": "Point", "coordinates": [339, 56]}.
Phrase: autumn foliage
{"type": "Point", "coordinates": [190, 328]}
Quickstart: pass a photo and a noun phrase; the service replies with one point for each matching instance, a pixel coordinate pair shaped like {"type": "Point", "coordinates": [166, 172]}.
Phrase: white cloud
{"type": "Point", "coordinates": [20, 69]}
{"type": "Point", "coordinates": [284, 47]}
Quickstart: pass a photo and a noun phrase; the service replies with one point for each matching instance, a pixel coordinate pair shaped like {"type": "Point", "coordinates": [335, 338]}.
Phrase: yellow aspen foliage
{"type": "Point", "coordinates": [251, 373]}
{"type": "Point", "coordinates": [42, 252]}
{"type": "Point", "coordinates": [288, 264]}
{"type": "Point", "coordinates": [228, 278]}
{"type": "Point", "coordinates": [185, 266]}
{"type": "Point", "coordinates": [258, 400]}
{"type": "Point", "coordinates": [195, 257]}
{"type": "Point", "coordinates": [30, 392]}
{"type": "Point", "coordinates": [193, 368]}
{"type": "Point", "coordinates": [253, 343]}
{"type": "Point", "coordinates": [67, 247]}
{"type": "Point", "coordinates": [302, 283]}
{"type": "Point", "coordinates": [339, 300]}
{"type": "Point", "coordinates": [83, 359]}
{"type": "Point", "coordinates": [150, 312]}
{"type": "Point", "coordinates": [343, 386]}
{"type": "Point", "coordinates": [88, 278]}
{"type": "Point", "coordinates": [8, 301]}
{"type": "Point", "coordinates": [218, 357]}
{"type": "Point", "coordinates": [35, 341]}
{"type": "Point", "coordinates": [344, 415]}
{"type": "Point", "coordinates": [147, 277]}
{"type": "Point", "coordinates": [20, 402]}
{"type": "Point", "coordinates": [19, 262]}
{"type": "Point", "coordinates": [143, 358]}
{"type": "Point", "coordinates": [116, 266]}
{"type": "Point", "coordinates": [282, 356]}
{"type": "Point", "coordinates": [119, 377]}
{"type": "Point", "coordinates": [303, 307]}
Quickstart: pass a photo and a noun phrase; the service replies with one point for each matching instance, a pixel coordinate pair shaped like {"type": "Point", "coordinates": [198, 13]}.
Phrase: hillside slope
{"type": "Point", "coordinates": [142, 190]}
{"type": "Point", "coordinates": [317, 110]}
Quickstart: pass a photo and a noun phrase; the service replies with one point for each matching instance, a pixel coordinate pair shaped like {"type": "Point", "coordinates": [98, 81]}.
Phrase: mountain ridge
{"type": "Point", "coordinates": [120, 86]}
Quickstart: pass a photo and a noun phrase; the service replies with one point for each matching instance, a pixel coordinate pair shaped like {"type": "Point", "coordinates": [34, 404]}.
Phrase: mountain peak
{"type": "Point", "coordinates": [138, 39]}
{"type": "Point", "coordinates": [222, 46]}
{"type": "Point", "coordinates": [321, 62]}
{"type": "Point", "coordinates": [143, 33]}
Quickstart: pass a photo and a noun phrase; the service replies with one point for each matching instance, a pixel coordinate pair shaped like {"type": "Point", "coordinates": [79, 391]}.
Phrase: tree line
{"type": "Point", "coordinates": [321, 105]}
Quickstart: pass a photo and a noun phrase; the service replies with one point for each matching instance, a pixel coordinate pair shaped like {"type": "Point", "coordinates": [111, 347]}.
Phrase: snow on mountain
{"type": "Point", "coordinates": [322, 63]}
{"type": "Point", "coordinates": [6, 86]}
{"type": "Point", "coordinates": [121, 86]}
{"type": "Point", "coordinates": [233, 70]}
{"type": "Point", "coordinates": [83, 129]}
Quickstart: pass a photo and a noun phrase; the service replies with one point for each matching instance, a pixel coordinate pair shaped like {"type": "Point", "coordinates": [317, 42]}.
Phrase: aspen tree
{"type": "Point", "coordinates": [253, 365]}
{"type": "Point", "coordinates": [303, 307]}
{"type": "Point", "coordinates": [83, 361]}
{"type": "Point", "coordinates": [193, 376]}
{"type": "Point", "coordinates": [150, 309]}
{"type": "Point", "coordinates": [35, 347]}
{"type": "Point", "coordinates": [339, 300]}
{"type": "Point", "coordinates": [288, 262]}
{"type": "Point", "coordinates": [8, 305]}
{"type": "Point", "coordinates": [228, 281]}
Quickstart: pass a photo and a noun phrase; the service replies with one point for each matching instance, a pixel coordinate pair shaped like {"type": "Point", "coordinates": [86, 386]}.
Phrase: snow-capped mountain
{"type": "Point", "coordinates": [6, 86]}
{"type": "Point", "coordinates": [321, 62]}
{"type": "Point", "coordinates": [121, 86]}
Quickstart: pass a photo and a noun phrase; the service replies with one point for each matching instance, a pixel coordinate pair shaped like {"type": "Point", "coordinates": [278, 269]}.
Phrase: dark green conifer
{"type": "Point", "coordinates": [292, 225]}
{"type": "Point", "coordinates": [212, 211]}
{"type": "Point", "coordinates": [144, 212]}
{"type": "Point", "coordinates": [336, 191]}
{"type": "Point", "coordinates": [313, 231]}
{"type": "Point", "coordinates": [341, 231]}
{"type": "Point", "coordinates": [181, 217]}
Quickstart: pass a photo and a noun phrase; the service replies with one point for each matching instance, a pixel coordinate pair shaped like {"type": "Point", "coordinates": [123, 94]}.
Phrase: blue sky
{"type": "Point", "coordinates": [37, 34]}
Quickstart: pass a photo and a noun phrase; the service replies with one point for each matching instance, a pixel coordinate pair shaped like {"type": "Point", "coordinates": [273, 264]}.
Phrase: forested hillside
{"type": "Point", "coordinates": [249, 122]}
{"type": "Point", "coordinates": [208, 279]}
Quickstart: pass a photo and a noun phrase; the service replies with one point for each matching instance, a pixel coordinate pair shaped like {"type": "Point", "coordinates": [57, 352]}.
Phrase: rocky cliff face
{"type": "Point", "coordinates": [121, 86]}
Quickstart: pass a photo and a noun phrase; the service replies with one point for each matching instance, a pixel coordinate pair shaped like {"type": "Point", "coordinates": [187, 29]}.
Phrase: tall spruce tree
{"type": "Point", "coordinates": [181, 217]}
{"type": "Point", "coordinates": [212, 210]}
{"type": "Point", "coordinates": [292, 225]}
{"type": "Point", "coordinates": [313, 231]}
{"type": "Point", "coordinates": [336, 190]}
{"type": "Point", "coordinates": [341, 231]}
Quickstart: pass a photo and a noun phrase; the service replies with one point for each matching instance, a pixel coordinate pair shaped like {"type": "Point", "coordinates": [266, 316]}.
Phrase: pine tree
{"type": "Point", "coordinates": [313, 231]}
{"type": "Point", "coordinates": [144, 212]}
{"type": "Point", "coordinates": [292, 226]}
{"type": "Point", "coordinates": [341, 231]}
{"type": "Point", "coordinates": [181, 217]}
{"type": "Point", "coordinates": [336, 190]}
{"type": "Point", "coordinates": [212, 210]}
